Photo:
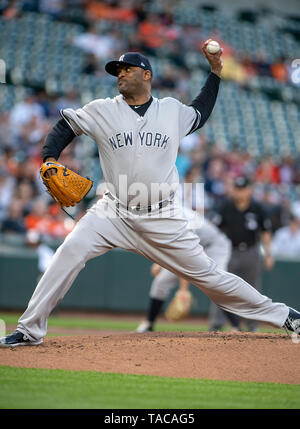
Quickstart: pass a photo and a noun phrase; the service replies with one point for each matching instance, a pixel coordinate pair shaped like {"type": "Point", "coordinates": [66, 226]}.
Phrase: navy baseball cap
{"type": "Point", "coordinates": [130, 58]}
{"type": "Point", "coordinates": [242, 182]}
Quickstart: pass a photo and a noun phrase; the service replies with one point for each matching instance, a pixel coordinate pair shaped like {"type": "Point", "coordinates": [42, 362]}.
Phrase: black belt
{"type": "Point", "coordinates": [242, 247]}
{"type": "Point", "coordinates": [138, 209]}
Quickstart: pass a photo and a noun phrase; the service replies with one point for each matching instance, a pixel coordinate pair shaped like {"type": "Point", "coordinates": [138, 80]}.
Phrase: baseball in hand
{"type": "Point", "coordinates": [213, 47]}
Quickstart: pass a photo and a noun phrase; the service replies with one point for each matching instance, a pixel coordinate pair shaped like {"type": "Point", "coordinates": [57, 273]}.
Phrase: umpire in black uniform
{"type": "Point", "coordinates": [247, 225]}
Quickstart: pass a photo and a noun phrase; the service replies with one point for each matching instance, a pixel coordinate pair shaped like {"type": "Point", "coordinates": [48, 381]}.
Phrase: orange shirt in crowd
{"type": "Point", "coordinates": [104, 11]}
{"type": "Point", "coordinates": [267, 173]}
{"type": "Point", "coordinates": [47, 225]}
{"type": "Point", "coordinates": [152, 34]}
{"type": "Point", "coordinates": [279, 72]}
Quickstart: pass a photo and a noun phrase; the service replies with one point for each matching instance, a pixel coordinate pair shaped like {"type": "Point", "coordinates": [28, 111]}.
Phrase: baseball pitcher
{"type": "Point", "coordinates": [138, 137]}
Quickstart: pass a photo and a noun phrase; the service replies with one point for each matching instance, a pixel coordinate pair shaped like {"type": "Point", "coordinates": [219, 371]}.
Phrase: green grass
{"type": "Point", "coordinates": [74, 322]}
{"type": "Point", "coordinates": [119, 325]}
{"type": "Point", "coordinates": [41, 388]}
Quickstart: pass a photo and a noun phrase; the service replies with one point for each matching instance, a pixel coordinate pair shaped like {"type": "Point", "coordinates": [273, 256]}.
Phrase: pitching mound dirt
{"type": "Point", "coordinates": [238, 356]}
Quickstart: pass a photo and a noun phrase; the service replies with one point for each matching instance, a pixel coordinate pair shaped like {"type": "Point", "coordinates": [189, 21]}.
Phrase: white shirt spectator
{"type": "Point", "coordinates": [45, 255]}
{"type": "Point", "coordinates": [286, 241]}
{"type": "Point", "coordinates": [189, 142]}
{"type": "Point", "coordinates": [23, 113]}
{"type": "Point", "coordinates": [51, 6]}
{"type": "Point", "coordinates": [7, 185]}
{"type": "Point", "coordinates": [100, 46]}
{"type": "Point", "coordinates": [295, 209]}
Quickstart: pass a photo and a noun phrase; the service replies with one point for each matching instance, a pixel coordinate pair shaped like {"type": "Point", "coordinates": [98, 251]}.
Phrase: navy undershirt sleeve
{"type": "Point", "coordinates": [56, 141]}
{"type": "Point", "coordinates": [205, 101]}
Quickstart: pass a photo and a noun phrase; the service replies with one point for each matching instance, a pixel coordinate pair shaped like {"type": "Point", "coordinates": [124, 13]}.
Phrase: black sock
{"type": "Point", "coordinates": [233, 318]}
{"type": "Point", "coordinates": [154, 310]}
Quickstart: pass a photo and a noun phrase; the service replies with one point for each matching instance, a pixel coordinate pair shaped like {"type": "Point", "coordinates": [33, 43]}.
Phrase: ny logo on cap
{"type": "Point", "coordinates": [142, 64]}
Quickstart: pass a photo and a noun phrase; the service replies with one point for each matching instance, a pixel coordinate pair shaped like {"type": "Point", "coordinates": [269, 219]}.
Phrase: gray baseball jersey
{"type": "Point", "coordinates": [142, 148]}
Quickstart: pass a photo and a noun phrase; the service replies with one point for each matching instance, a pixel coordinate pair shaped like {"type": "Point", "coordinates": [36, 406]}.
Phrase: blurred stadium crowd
{"type": "Point", "coordinates": [55, 51]}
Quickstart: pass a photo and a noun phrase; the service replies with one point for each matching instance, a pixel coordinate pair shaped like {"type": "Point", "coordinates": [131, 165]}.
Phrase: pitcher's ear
{"type": "Point", "coordinates": [147, 75]}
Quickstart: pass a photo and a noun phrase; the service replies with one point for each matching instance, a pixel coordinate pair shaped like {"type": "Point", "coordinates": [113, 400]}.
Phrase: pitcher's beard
{"type": "Point", "coordinates": [130, 91]}
{"type": "Point", "coordinates": [126, 92]}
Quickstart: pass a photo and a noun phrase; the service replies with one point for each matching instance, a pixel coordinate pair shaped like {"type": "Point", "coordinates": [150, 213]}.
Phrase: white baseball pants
{"type": "Point", "coordinates": [165, 281]}
{"type": "Point", "coordinates": [166, 241]}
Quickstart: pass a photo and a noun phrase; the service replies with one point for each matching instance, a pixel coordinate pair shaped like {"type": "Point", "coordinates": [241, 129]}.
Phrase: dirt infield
{"type": "Point", "coordinates": [225, 356]}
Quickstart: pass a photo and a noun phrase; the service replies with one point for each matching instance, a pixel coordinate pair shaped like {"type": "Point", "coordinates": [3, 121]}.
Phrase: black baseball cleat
{"type": "Point", "coordinates": [17, 338]}
{"type": "Point", "coordinates": [292, 322]}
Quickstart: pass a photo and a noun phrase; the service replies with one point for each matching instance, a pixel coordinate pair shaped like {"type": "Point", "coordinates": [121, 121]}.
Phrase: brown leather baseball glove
{"type": "Point", "coordinates": [180, 306]}
{"type": "Point", "coordinates": [66, 187]}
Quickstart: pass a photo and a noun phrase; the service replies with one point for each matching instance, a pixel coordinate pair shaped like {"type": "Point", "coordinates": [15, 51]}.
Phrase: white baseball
{"type": "Point", "coordinates": [213, 47]}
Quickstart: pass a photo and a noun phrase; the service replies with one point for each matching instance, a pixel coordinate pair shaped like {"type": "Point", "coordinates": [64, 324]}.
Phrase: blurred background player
{"type": "Point", "coordinates": [44, 252]}
{"type": "Point", "coordinates": [246, 224]}
{"type": "Point", "coordinates": [216, 246]}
